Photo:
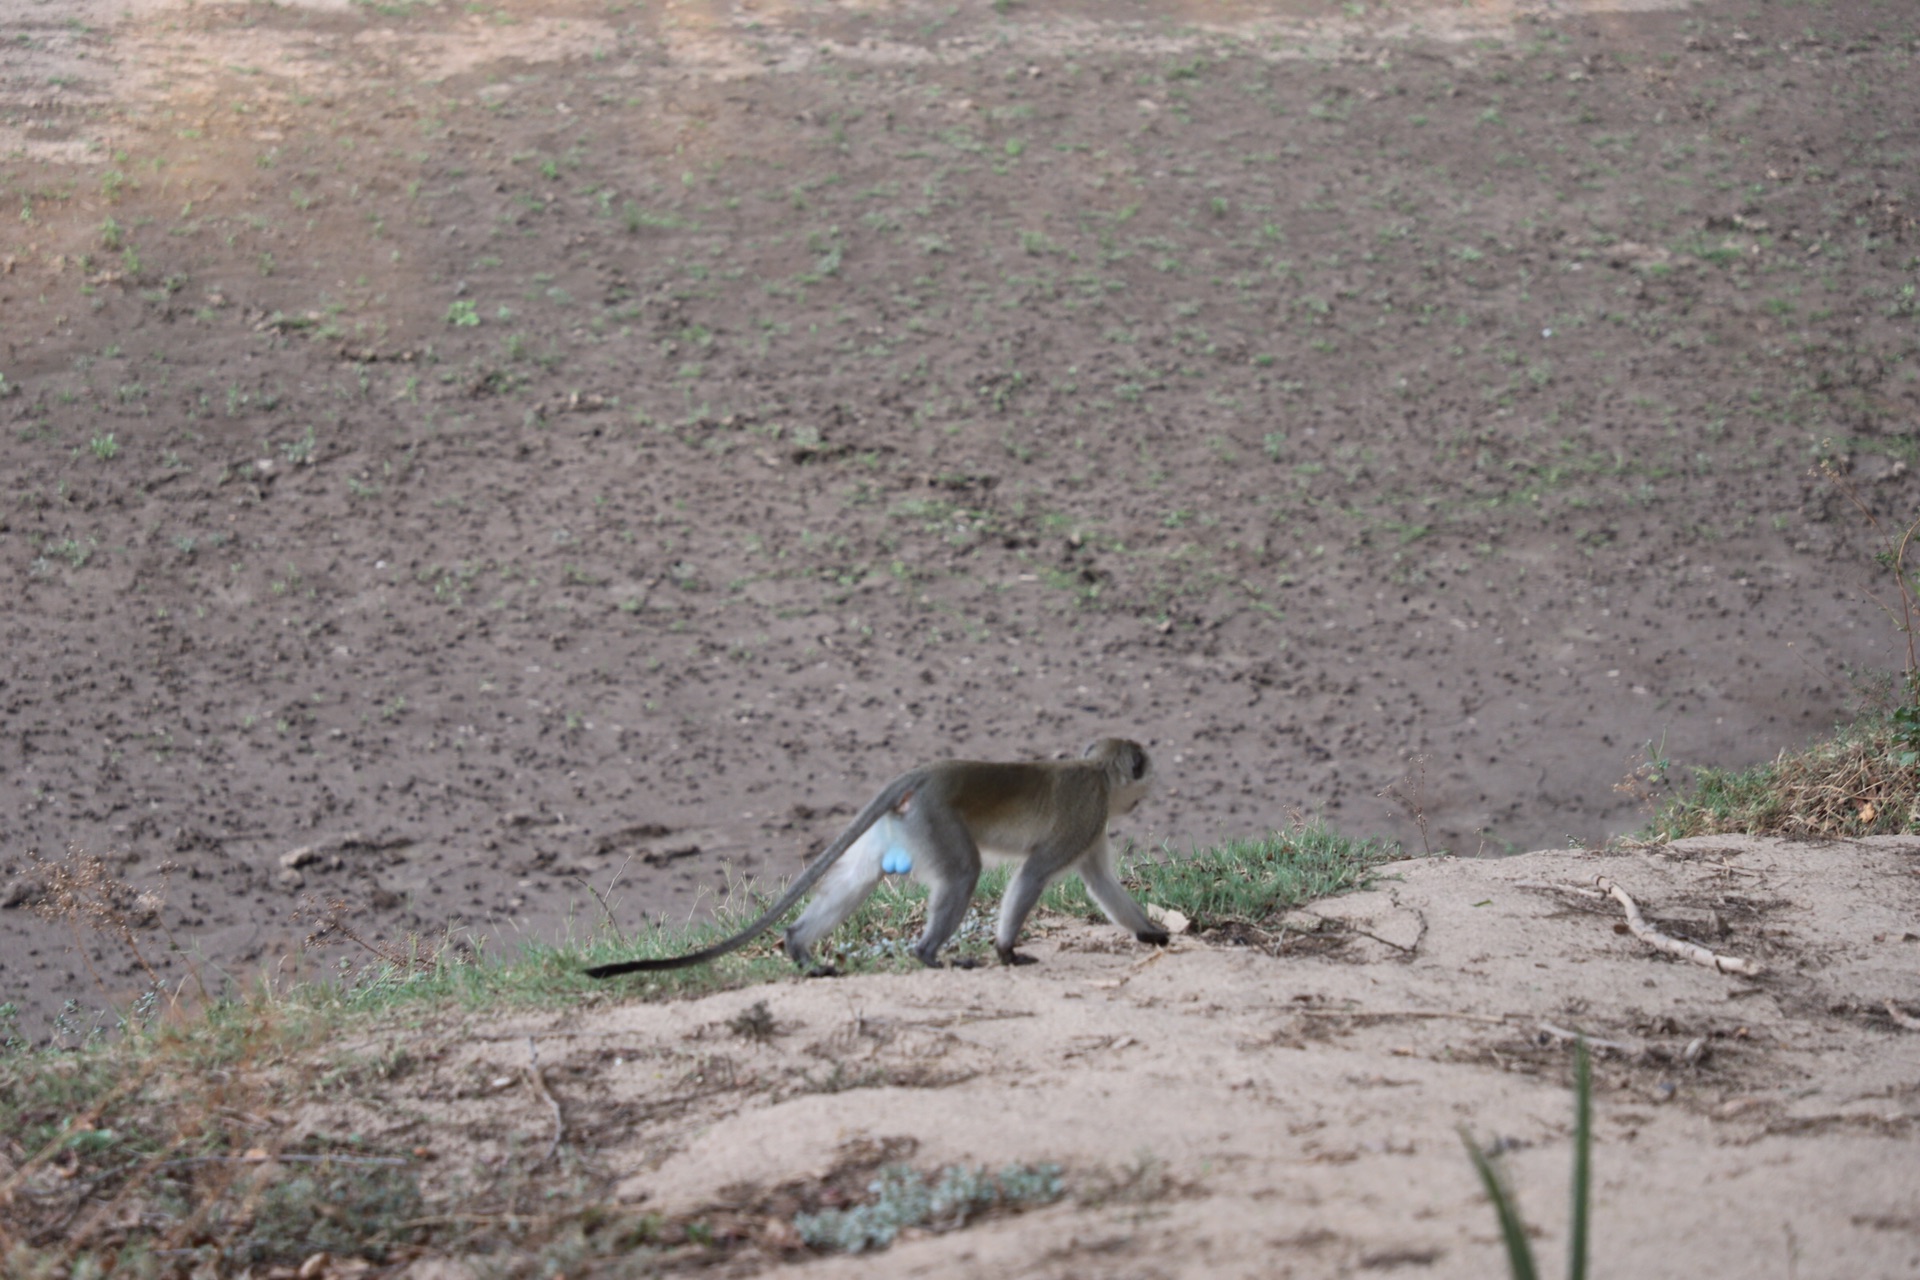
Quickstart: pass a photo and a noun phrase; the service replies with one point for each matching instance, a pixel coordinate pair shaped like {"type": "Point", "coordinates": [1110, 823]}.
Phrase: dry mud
{"type": "Point", "coordinates": [499, 447]}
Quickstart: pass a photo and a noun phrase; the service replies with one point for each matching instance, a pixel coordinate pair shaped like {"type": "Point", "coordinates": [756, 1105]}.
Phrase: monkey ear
{"type": "Point", "coordinates": [1139, 765]}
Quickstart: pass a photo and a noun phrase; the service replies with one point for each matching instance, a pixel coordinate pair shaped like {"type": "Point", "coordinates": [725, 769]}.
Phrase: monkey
{"type": "Point", "coordinates": [939, 820]}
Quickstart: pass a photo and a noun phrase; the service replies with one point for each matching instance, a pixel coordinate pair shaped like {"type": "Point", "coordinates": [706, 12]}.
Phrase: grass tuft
{"type": "Point", "coordinates": [1246, 881]}
{"type": "Point", "coordinates": [1863, 781]}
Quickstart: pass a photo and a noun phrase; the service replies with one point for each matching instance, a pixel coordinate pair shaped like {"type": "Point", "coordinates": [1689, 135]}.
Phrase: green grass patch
{"type": "Point", "coordinates": [1244, 881]}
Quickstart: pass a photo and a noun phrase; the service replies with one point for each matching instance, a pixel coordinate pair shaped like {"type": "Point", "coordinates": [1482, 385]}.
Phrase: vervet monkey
{"type": "Point", "coordinates": [940, 820]}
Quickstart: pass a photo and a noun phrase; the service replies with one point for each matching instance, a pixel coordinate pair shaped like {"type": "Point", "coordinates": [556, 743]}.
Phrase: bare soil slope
{"type": "Point", "coordinates": [1284, 1110]}
{"type": "Point", "coordinates": [495, 446]}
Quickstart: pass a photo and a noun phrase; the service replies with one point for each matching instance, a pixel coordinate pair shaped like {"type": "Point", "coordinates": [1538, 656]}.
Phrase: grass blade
{"type": "Point", "coordinates": [1512, 1230]}
{"type": "Point", "coordinates": [1582, 1160]}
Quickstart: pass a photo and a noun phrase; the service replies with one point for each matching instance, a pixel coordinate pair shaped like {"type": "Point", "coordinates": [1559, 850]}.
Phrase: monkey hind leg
{"type": "Point", "coordinates": [1023, 891]}
{"type": "Point", "coordinates": [1104, 887]}
{"type": "Point", "coordinates": [947, 902]}
{"type": "Point", "coordinates": [947, 861]}
{"type": "Point", "coordinates": [841, 892]}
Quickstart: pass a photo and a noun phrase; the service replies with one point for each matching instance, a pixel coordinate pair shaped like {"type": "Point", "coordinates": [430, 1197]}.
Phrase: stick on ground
{"type": "Point", "coordinates": [1674, 946]}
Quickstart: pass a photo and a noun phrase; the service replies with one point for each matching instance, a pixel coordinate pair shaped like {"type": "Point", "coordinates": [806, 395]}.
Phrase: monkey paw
{"type": "Point", "coordinates": [1009, 956]}
{"type": "Point", "coordinates": [1157, 938]}
{"type": "Point", "coordinates": [821, 971]}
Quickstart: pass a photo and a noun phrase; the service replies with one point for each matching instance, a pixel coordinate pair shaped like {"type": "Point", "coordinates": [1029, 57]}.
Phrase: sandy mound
{"type": "Point", "coordinates": [1227, 1110]}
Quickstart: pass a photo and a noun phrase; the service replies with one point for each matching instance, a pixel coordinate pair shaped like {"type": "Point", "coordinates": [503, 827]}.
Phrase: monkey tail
{"type": "Point", "coordinates": [890, 797]}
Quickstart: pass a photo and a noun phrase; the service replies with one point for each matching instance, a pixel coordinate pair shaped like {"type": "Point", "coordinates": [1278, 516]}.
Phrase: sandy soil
{"type": "Point", "coordinates": [1295, 1108]}
{"type": "Point", "coordinates": [504, 446]}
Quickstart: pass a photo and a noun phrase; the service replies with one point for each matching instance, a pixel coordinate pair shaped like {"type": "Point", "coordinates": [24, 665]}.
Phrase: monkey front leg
{"type": "Point", "coordinates": [1103, 886]}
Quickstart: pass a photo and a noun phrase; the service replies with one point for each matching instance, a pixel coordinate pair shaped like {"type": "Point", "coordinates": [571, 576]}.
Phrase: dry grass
{"type": "Point", "coordinates": [1862, 782]}
{"type": "Point", "coordinates": [1866, 779]}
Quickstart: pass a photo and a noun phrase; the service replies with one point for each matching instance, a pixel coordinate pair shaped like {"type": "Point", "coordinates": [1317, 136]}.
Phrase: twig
{"type": "Point", "coordinates": [1901, 1018]}
{"type": "Point", "coordinates": [539, 1083]}
{"type": "Point", "coordinates": [1496, 1019]}
{"type": "Point", "coordinates": [1732, 870]}
{"type": "Point", "coordinates": [611, 922]}
{"type": "Point", "coordinates": [482, 1219]}
{"type": "Point", "coordinates": [267, 1158]}
{"type": "Point", "coordinates": [1153, 957]}
{"type": "Point", "coordinates": [1578, 890]}
{"type": "Point", "coordinates": [1414, 804]}
{"type": "Point", "coordinates": [1674, 946]}
{"type": "Point", "coordinates": [1349, 927]}
{"type": "Point", "coordinates": [1561, 1033]}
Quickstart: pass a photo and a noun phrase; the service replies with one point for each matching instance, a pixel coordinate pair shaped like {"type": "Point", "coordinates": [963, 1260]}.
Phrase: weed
{"type": "Point", "coordinates": [105, 447]}
{"type": "Point", "coordinates": [1649, 776]}
{"type": "Point", "coordinates": [1410, 792]}
{"type": "Point", "coordinates": [80, 890]}
{"type": "Point", "coordinates": [463, 314]}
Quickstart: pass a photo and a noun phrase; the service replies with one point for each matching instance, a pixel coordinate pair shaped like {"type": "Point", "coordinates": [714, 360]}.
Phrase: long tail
{"type": "Point", "coordinates": [889, 797]}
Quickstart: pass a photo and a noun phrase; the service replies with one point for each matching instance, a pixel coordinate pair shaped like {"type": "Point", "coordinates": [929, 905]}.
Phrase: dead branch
{"type": "Point", "coordinates": [1381, 1015]}
{"type": "Point", "coordinates": [1580, 891]}
{"type": "Point", "coordinates": [539, 1083]}
{"type": "Point", "coordinates": [611, 922]}
{"type": "Point", "coordinates": [268, 1157]}
{"type": "Point", "coordinates": [1693, 951]}
{"type": "Point", "coordinates": [1593, 1042]}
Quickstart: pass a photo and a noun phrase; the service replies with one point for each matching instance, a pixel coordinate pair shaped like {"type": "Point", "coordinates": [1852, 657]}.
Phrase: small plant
{"type": "Point", "coordinates": [903, 1197]}
{"type": "Point", "coordinates": [355, 1207]}
{"type": "Point", "coordinates": [299, 452]}
{"type": "Point", "coordinates": [75, 552]}
{"type": "Point", "coordinates": [1650, 776]}
{"type": "Point", "coordinates": [105, 447]}
{"type": "Point", "coordinates": [463, 314]}
{"type": "Point", "coordinates": [1513, 1231]}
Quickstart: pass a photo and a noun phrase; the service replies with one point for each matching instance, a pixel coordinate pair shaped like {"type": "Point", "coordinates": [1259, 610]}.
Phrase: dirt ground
{"type": "Point", "coordinates": [501, 447]}
{"type": "Point", "coordinates": [1286, 1109]}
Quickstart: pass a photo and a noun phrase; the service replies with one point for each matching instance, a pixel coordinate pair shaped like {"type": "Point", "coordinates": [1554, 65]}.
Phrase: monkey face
{"type": "Point", "coordinates": [1129, 772]}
